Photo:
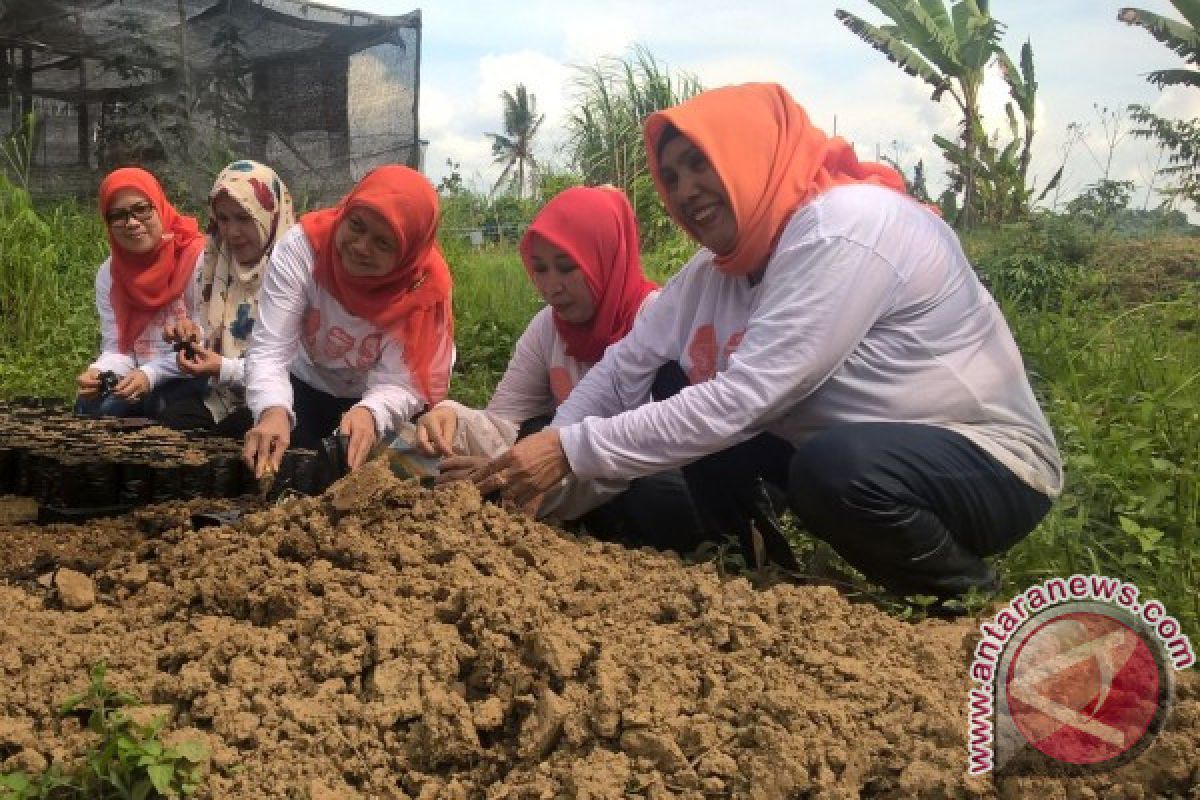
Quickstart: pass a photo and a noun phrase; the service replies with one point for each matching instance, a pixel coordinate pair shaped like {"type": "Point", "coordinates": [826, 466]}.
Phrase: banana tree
{"type": "Point", "coordinates": [1002, 193]}
{"type": "Point", "coordinates": [1180, 138]}
{"type": "Point", "coordinates": [1022, 87]}
{"type": "Point", "coordinates": [949, 49]}
{"type": "Point", "coordinates": [1182, 37]}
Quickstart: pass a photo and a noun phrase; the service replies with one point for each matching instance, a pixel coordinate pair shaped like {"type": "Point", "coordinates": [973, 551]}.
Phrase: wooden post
{"type": "Point", "coordinates": [84, 127]}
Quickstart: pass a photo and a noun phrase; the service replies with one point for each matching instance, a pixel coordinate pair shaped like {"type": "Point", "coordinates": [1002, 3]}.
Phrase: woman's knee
{"type": "Point", "coordinates": [830, 469]}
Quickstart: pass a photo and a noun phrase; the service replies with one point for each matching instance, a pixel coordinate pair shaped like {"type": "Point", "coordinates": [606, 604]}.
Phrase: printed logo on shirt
{"type": "Point", "coordinates": [369, 350]}
{"type": "Point", "coordinates": [312, 326]}
{"type": "Point", "coordinates": [702, 353]}
{"type": "Point", "coordinates": [560, 384]}
{"type": "Point", "coordinates": [338, 342]}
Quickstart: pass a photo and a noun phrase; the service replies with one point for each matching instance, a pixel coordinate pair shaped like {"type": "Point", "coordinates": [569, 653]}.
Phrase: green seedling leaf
{"type": "Point", "coordinates": [141, 790]}
{"type": "Point", "coordinates": [160, 776]}
{"type": "Point", "coordinates": [191, 750]}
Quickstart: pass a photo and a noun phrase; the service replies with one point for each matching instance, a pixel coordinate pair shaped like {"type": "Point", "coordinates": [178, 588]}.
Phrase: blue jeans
{"type": "Point", "coordinates": [151, 405]}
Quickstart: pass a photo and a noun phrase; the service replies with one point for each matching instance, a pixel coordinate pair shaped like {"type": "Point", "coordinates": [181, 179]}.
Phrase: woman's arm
{"type": "Point", "coordinates": [110, 358]}
{"type": "Point", "coordinates": [282, 302]}
{"type": "Point", "coordinates": [820, 298]}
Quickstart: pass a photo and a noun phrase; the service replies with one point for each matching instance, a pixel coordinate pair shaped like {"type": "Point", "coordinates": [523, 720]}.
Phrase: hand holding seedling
{"type": "Point", "coordinates": [267, 440]}
{"type": "Point", "coordinates": [133, 386]}
{"type": "Point", "coordinates": [358, 424]}
{"type": "Point", "coordinates": [197, 360]}
{"type": "Point", "coordinates": [526, 472]}
{"type": "Point", "coordinates": [88, 382]}
{"type": "Point", "coordinates": [182, 331]}
{"type": "Point", "coordinates": [460, 468]}
{"type": "Point", "coordinates": [436, 430]}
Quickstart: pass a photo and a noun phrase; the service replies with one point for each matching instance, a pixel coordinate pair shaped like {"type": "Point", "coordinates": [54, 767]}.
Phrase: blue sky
{"type": "Point", "coordinates": [1083, 55]}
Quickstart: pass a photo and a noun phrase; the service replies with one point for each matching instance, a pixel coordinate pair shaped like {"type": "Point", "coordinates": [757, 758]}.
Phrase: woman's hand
{"type": "Point", "coordinates": [436, 429]}
{"type": "Point", "coordinates": [88, 382]}
{"type": "Point", "coordinates": [459, 468]}
{"type": "Point", "coordinates": [526, 472]}
{"type": "Point", "coordinates": [133, 386]}
{"type": "Point", "coordinates": [202, 363]}
{"type": "Point", "coordinates": [183, 330]}
{"type": "Point", "coordinates": [267, 440]}
{"type": "Point", "coordinates": [359, 425]}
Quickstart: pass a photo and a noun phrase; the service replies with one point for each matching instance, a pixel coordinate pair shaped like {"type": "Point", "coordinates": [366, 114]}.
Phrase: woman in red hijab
{"type": "Point", "coordinates": [581, 253]}
{"type": "Point", "coordinates": [145, 285]}
{"type": "Point", "coordinates": [829, 345]}
{"type": "Point", "coordinates": [354, 330]}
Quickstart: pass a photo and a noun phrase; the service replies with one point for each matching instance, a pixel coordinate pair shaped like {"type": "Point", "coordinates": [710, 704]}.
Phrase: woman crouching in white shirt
{"type": "Point", "coordinates": [830, 338]}
{"type": "Point", "coordinates": [354, 330]}
{"type": "Point", "coordinates": [581, 253]}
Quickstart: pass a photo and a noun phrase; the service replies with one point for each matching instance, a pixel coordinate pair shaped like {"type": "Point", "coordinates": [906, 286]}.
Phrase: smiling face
{"type": "Point", "coordinates": [560, 282]}
{"type": "Point", "coordinates": [237, 230]}
{"type": "Point", "coordinates": [134, 222]}
{"type": "Point", "coordinates": [696, 195]}
{"type": "Point", "coordinates": [366, 244]}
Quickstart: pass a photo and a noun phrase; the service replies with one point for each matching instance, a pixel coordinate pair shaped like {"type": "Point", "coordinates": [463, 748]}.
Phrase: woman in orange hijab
{"type": "Point", "coordinates": [144, 286]}
{"type": "Point", "coordinates": [354, 329]}
{"type": "Point", "coordinates": [829, 346]}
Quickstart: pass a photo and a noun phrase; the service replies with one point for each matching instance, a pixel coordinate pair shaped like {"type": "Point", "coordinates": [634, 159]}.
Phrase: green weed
{"type": "Point", "coordinates": [128, 763]}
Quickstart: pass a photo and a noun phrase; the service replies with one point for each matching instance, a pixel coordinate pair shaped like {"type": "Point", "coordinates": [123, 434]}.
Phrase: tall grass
{"type": "Point", "coordinates": [48, 326]}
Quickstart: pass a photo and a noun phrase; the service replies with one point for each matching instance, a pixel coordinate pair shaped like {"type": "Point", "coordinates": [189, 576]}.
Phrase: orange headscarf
{"type": "Point", "coordinates": [412, 302]}
{"type": "Point", "coordinates": [596, 228]}
{"type": "Point", "coordinates": [770, 157]}
{"type": "Point", "coordinates": [143, 284]}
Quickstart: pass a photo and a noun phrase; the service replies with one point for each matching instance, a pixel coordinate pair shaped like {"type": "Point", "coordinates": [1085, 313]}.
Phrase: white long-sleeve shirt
{"type": "Point", "coordinates": [539, 377]}
{"type": "Point", "coordinates": [303, 329]}
{"type": "Point", "coordinates": [867, 311]}
{"type": "Point", "coordinates": [149, 353]}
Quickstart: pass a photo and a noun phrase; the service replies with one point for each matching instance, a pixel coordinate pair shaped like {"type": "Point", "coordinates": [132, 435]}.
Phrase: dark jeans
{"type": "Point", "coordinates": [152, 405]}
{"type": "Point", "coordinates": [914, 507]}
{"type": "Point", "coordinates": [318, 414]}
{"type": "Point", "coordinates": [655, 511]}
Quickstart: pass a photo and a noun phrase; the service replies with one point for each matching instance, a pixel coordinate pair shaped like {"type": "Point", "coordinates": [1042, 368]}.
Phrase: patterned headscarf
{"type": "Point", "coordinates": [229, 289]}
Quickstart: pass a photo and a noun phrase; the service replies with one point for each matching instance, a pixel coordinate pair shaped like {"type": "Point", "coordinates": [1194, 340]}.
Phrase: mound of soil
{"type": "Point", "coordinates": [383, 640]}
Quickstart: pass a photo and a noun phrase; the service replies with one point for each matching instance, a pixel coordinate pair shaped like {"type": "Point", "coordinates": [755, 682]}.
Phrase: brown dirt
{"type": "Point", "coordinates": [388, 641]}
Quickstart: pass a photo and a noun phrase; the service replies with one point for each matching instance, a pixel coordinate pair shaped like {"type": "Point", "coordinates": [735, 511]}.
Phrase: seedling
{"type": "Point", "coordinates": [130, 762]}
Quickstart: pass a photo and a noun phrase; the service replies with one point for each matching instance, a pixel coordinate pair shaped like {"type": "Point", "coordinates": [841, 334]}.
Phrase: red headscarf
{"type": "Point", "coordinates": [770, 157]}
{"type": "Point", "coordinates": [596, 228]}
{"type": "Point", "coordinates": [412, 302]}
{"type": "Point", "coordinates": [143, 284]}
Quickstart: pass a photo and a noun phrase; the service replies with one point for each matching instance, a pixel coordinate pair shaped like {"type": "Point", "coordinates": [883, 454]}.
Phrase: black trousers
{"type": "Point", "coordinates": [914, 507]}
{"type": "Point", "coordinates": [655, 511]}
{"type": "Point", "coordinates": [189, 413]}
{"type": "Point", "coordinates": [318, 414]}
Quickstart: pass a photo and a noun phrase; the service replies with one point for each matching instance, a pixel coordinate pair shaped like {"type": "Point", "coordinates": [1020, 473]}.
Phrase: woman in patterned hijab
{"type": "Point", "coordinates": [251, 209]}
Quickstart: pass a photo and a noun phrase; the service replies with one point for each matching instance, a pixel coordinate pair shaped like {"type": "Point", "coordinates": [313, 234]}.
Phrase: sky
{"type": "Point", "coordinates": [1085, 60]}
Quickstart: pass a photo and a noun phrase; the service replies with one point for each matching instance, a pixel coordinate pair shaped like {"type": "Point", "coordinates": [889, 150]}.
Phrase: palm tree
{"type": "Point", "coordinates": [514, 148]}
{"type": "Point", "coordinates": [1182, 37]}
{"type": "Point", "coordinates": [948, 49]}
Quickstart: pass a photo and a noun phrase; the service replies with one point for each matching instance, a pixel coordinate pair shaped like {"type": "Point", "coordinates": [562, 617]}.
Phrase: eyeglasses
{"type": "Point", "coordinates": [121, 216]}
